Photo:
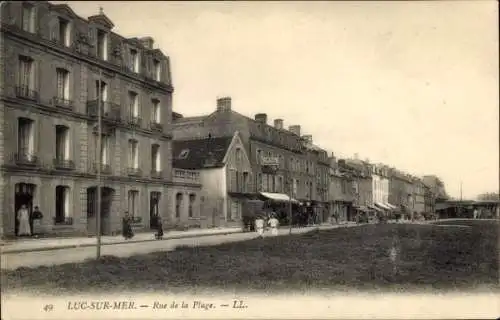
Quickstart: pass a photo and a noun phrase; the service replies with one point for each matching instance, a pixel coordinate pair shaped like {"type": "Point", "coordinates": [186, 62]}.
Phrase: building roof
{"type": "Point", "coordinates": [200, 153]}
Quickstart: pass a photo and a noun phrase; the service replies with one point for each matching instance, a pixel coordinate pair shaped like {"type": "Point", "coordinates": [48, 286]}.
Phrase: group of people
{"type": "Point", "coordinates": [264, 220]}
{"type": "Point", "coordinates": [28, 223]}
{"type": "Point", "coordinates": [128, 232]}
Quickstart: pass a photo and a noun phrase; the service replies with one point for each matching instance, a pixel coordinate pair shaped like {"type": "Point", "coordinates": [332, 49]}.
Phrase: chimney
{"type": "Point", "coordinates": [294, 129]}
{"type": "Point", "coordinates": [261, 117]}
{"type": "Point", "coordinates": [224, 104]}
{"type": "Point", "coordinates": [147, 42]}
{"type": "Point", "coordinates": [278, 124]}
{"type": "Point", "coordinates": [308, 138]}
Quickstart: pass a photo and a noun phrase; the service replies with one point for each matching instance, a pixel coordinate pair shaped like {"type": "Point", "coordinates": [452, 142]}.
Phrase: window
{"type": "Point", "coordinates": [62, 143]}
{"type": "Point", "coordinates": [157, 69]}
{"type": "Point", "coordinates": [238, 156]}
{"type": "Point", "coordinates": [133, 104]}
{"type": "Point", "coordinates": [62, 84]}
{"type": "Point", "coordinates": [295, 187]}
{"type": "Point", "coordinates": [156, 111]}
{"type": "Point", "coordinates": [246, 182]}
{"type": "Point", "coordinates": [184, 153]}
{"type": "Point", "coordinates": [259, 182]}
{"type": "Point", "coordinates": [25, 138]}
{"type": "Point", "coordinates": [235, 210]}
{"type": "Point", "coordinates": [178, 205]}
{"type": "Point", "coordinates": [102, 44]}
{"type": "Point", "coordinates": [154, 207]}
{"type": "Point", "coordinates": [133, 202]}
{"type": "Point", "coordinates": [280, 184]}
{"type": "Point", "coordinates": [64, 32]}
{"type": "Point", "coordinates": [155, 158]}
{"type": "Point", "coordinates": [134, 60]}
{"type": "Point", "coordinates": [104, 156]}
{"type": "Point", "coordinates": [28, 18]}
{"type": "Point", "coordinates": [26, 76]}
{"type": "Point", "coordinates": [101, 90]}
{"type": "Point", "coordinates": [62, 204]}
{"type": "Point", "coordinates": [259, 153]}
{"type": "Point", "coordinates": [133, 154]}
{"type": "Point", "coordinates": [192, 199]}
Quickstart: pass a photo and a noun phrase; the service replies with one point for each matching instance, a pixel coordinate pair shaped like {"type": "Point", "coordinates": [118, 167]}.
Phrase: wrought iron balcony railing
{"type": "Point", "coordinates": [105, 168]}
{"type": "Point", "coordinates": [155, 126]}
{"type": "Point", "coordinates": [26, 92]}
{"type": "Point", "coordinates": [26, 159]}
{"type": "Point", "coordinates": [156, 174]}
{"type": "Point", "coordinates": [64, 164]}
{"type": "Point", "coordinates": [134, 121]}
{"type": "Point", "coordinates": [134, 172]}
{"type": "Point", "coordinates": [109, 111]}
{"type": "Point", "coordinates": [62, 103]}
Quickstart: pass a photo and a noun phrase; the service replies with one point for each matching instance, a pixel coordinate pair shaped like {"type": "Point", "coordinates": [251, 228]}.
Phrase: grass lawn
{"type": "Point", "coordinates": [425, 257]}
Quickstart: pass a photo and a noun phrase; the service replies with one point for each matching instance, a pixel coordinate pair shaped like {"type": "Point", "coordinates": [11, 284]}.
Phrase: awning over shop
{"type": "Point", "coordinates": [278, 197]}
{"type": "Point", "coordinates": [393, 207]}
{"type": "Point", "coordinates": [361, 208]}
{"type": "Point", "coordinates": [375, 208]}
{"type": "Point", "coordinates": [383, 206]}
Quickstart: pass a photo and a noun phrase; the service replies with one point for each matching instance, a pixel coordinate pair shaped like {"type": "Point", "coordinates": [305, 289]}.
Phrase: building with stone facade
{"type": "Point", "coordinates": [341, 193]}
{"type": "Point", "coordinates": [302, 168]}
{"type": "Point", "coordinates": [60, 71]}
{"type": "Point", "coordinates": [362, 182]}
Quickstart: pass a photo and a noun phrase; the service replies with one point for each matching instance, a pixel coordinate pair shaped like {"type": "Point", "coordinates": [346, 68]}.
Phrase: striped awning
{"type": "Point", "coordinates": [382, 205]}
{"type": "Point", "coordinates": [278, 197]}
{"type": "Point", "coordinates": [391, 206]}
{"type": "Point", "coordinates": [375, 208]}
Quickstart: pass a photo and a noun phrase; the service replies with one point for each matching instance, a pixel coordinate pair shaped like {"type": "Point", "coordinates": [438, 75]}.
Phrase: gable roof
{"type": "Point", "coordinates": [64, 9]}
{"type": "Point", "coordinates": [202, 153]}
{"type": "Point", "coordinates": [102, 20]}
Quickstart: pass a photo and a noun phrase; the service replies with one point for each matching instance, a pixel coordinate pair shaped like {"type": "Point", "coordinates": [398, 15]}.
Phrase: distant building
{"type": "Point", "coordinates": [342, 193]}
{"type": "Point", "coordinates": [437, 187]}
{"type": "Point", "coordinates": [226, 178]}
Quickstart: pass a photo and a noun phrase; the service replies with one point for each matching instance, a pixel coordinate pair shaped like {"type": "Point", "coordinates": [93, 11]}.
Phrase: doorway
{"type": "Point", "coordinates": [154, 209]}
{"type": "Point", "coordinates": [24, 193]}
{"type": "Point", "coordinates": [106, 203]}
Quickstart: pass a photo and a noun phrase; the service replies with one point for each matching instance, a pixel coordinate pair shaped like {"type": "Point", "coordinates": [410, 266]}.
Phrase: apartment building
{"type": "Point", "coordinates": [362, 181]}
{"type": "Point", "coordinates": [301, 167]}
{"type": "Point", "coordinates": [60, 71]}
{"type": "Point", "coordinates": [342, 191]}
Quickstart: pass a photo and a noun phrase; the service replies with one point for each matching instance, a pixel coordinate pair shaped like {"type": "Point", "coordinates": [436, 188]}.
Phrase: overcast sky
{"type": "Point", "coordinates": [410, 84]}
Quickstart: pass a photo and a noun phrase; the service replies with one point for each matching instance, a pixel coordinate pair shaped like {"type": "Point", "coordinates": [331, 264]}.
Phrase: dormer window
{"type": "Point", "coordinates": [157, 69]}
{"type": "Point", "coordinates": [64, 34]}
{"type": "Point", "coordinates": [102, 44]}
{"type": "Point", "coordinates": [28, 18]}
{"type": "Point", "coordinates": [134, 61]}
{"type": "Point", "coordinates": [184, 153]}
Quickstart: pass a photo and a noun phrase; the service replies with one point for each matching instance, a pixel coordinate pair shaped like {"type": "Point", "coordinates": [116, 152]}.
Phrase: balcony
{"type": "Point", "coordinates": [105, 168]}
{"type": "Point", "coordinates": [134, 121]}
{"type": "Point", "coordinates": [26, 92]}
{"type": "Point", "coordinates": [62, 103]}
{"type": "Point", "coordinates": [187, 176]}
{"type": "Point", "coordinates": [134, 172]}
{"type": "Point", "coordinates": [110, 111]}
{"type": "Point", "coordinates": [62, 164]}
{"type": "Point", "coordinates": [26, 159]}
{"type": "Point", "coordinates": [155, 126]}
{"type": "Point", "coordinates": [156, 174]}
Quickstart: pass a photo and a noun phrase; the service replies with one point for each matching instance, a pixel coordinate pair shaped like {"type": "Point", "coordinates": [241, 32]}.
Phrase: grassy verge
{"type": "Point", "coordinates": [424, 257]}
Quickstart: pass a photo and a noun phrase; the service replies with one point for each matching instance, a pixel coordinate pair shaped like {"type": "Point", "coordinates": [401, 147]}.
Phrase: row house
{"type": "Point", "coordinates": [341, 191]}
{"type": "Point", "coordinates": [362, 182]}
{"type": "Point", "coordinates": [61, 71]}
{"type": "Point", "coordinates": [418, 194]}
{"type": "Point", "coordinates": [225, 174]}
{"type": "Point", "coordinates": [380, 181]}
{"type": "Point", "coordinates": [282, 164]}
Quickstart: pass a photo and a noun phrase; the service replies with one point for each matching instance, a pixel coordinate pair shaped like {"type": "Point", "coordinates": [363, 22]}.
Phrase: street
{"type": "Point", "coordinates": [68, 255]}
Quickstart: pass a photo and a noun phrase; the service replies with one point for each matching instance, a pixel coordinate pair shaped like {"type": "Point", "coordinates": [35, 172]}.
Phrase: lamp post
{"type": "Point", "coordinates": [99, 152]}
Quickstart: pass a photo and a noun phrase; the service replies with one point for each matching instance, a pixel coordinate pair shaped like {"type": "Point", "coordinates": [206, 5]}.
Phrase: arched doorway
{"type": "Point", "coordinates": [24, 193]}
{"type": "Point", "coordinates": [106, 202]}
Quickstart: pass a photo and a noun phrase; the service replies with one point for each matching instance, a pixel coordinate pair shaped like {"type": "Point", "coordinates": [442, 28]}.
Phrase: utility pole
{"type": "Point", "coordinates": [99, 152]}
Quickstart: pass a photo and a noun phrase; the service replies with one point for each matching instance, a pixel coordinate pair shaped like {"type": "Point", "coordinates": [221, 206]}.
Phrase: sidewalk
{"type": "Point", "coordinates": [27, 245]}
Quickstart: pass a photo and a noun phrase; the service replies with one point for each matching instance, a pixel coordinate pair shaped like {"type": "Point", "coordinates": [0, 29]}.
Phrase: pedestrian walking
{"type": "Point", "coordinates": [259, 226]}
{"type": "Point", "coordinates": [23, 218]}
{"type": "Point", "coordinates": [159, 230]}
{"type": "Point", "coordinates": [37, 217]}
{"type": "Point", "coordinates": [127, 231]}
{"type": "Point", "coordinates": [274, 223]}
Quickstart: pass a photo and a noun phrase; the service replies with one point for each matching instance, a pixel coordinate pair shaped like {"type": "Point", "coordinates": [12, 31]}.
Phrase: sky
{"type": "Point", "coordinates": [413, 85]}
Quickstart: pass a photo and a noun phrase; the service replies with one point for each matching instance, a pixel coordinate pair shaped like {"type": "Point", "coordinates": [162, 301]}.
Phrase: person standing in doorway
{"type": "Point", "coordinates": [23, 218]}
{"type": "Point", "coordinates": [37, 217]}
{"type": "Point", "coordinates": [273, 223]}
{"type": "Point", "coordinates": [127, 231]}
{"type": "Point", "coordinates": [159, 228]}
{"type": "Point", "coordinates": [259, 226]}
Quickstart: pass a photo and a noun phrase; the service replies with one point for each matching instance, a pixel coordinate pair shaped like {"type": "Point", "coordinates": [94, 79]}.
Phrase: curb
{"type": "Point", "coordinates": [86, 245]}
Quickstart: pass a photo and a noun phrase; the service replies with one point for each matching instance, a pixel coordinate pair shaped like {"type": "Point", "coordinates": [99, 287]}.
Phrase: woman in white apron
{"type": "Point", "coordinates": [259, 226]}
{"type": "Point", "coordinates": [273, 223]}
{"type": "Point", "coordinates": [23, 217]}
